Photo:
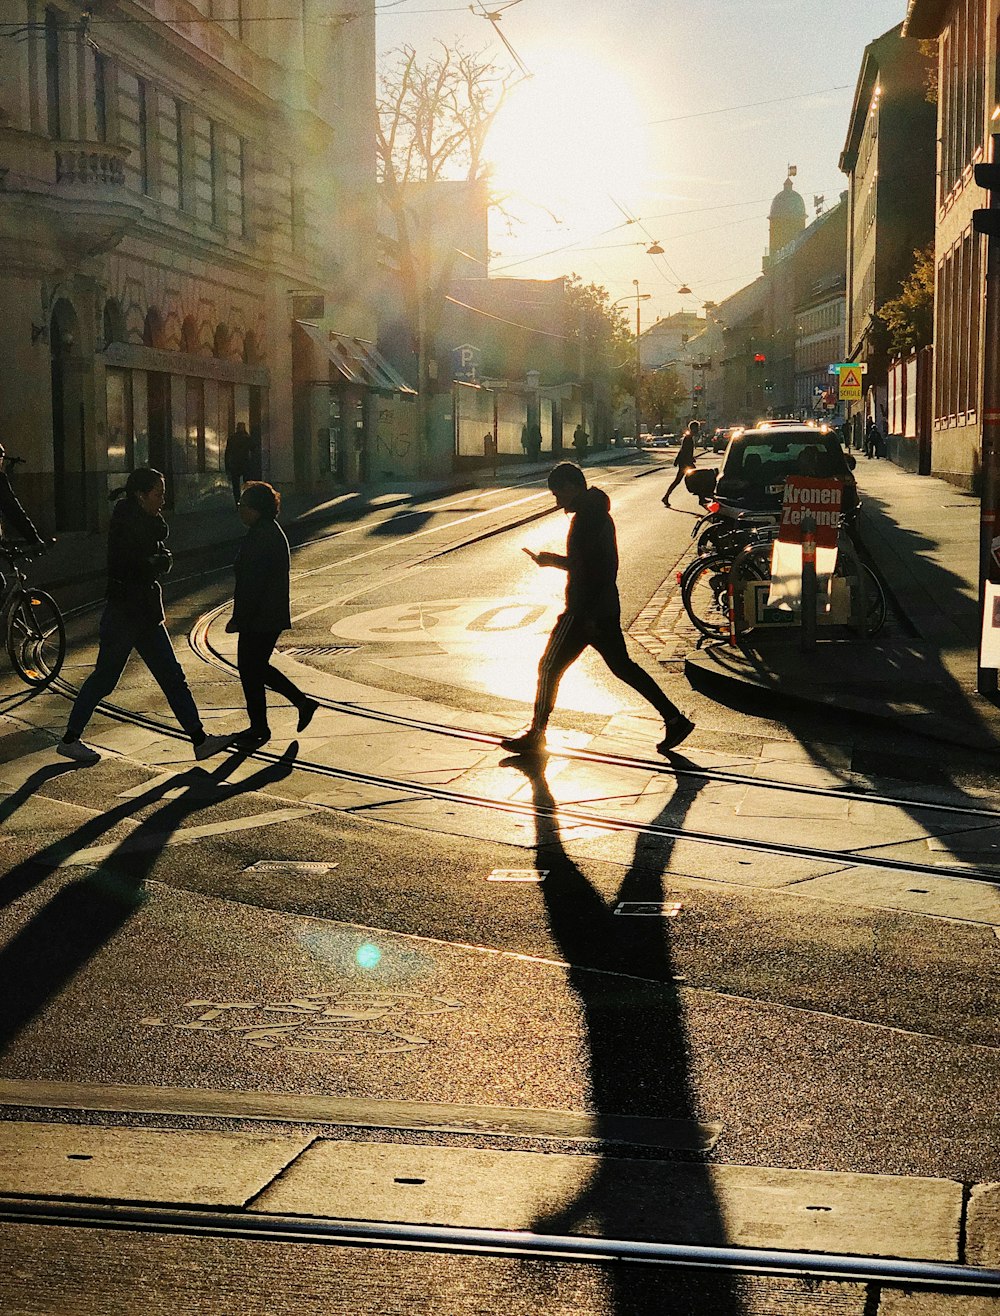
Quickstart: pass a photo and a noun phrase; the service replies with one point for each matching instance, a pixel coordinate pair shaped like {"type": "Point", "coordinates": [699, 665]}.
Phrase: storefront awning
{"type": "Point", "coordinates": [357, 361]}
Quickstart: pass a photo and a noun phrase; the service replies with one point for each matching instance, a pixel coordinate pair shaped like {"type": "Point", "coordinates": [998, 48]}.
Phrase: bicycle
{"type": "Point", "coordinates": [33, 625]}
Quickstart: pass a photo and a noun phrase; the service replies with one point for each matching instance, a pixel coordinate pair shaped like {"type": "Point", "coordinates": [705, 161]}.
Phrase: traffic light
{"type": "Point", "coordinates": [759, 358]}
{"type": "Point", "coordinates": [988, 221]}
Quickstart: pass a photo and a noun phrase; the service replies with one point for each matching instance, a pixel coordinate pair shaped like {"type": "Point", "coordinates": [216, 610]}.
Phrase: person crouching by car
{"type": "Point", "coordinates": [261, 611]}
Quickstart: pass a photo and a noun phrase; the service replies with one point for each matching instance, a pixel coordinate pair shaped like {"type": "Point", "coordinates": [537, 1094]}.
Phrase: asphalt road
{"type": "Point", "coordinates": [160, 920]}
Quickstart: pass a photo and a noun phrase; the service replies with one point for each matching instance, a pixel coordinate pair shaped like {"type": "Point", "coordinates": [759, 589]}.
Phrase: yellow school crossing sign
{"type": "Point", "coordinates": [850, 377]}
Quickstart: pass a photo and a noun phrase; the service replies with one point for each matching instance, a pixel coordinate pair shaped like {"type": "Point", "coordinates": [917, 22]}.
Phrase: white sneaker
{"type": "Point", "coordinates": [77, 751]}
{"type": "Point", "coordinates": [211, 745]}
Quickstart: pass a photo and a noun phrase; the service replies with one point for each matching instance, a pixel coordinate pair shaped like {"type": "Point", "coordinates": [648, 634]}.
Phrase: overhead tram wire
{"type": "Point", "coordinates": [749, 105]}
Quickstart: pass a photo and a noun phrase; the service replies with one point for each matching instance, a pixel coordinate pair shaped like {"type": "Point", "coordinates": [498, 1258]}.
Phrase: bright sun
{"type": "Point", "coordinates": [569, 136]}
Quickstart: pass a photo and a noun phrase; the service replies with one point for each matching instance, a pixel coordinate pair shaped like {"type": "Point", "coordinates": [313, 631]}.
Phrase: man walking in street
{"type": "Point", "coordinates": [238, 459]}
{"type": "Point", "coordinates": [593, 612]}
{"type": "Point", "coordinates": [685, 461]}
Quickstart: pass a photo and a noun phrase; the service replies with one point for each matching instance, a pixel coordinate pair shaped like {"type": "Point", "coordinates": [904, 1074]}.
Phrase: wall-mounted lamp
{"type": "Point", "coordinates": [39, 331]}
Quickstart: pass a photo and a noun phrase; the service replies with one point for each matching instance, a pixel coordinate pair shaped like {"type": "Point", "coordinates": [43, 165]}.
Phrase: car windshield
{"type": "Point", "coordinates": [766, 459]}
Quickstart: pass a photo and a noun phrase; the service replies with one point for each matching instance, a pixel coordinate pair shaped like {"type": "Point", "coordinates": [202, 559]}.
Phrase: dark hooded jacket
{"type": "Point", "coordinates": [591, 560]}
{"type": "Point", "coordinates": [261, 598]}
{"type": "Point", "coordinates": [137, 558]}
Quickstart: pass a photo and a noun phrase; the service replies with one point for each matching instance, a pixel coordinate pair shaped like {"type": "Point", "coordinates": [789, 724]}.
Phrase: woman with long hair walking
{"type": "Point", "coordinates": [133, 619]}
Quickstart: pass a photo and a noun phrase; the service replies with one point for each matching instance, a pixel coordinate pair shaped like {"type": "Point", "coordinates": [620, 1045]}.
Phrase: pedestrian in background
{"type": "Point", "coordinates": [685, 459]}
{"type": "Point", "coordinates": [580, 437]}
{"type": "Point", "coordinates": [239, 459]}
{"type": "Point", "coordinates": [592, 615]}
{"type": "Point", "coordinates": [872, 439]}
{"type": "Point", "coordinates": [261, 611]}
{"type": "Point", "coordinates": [133, 618]}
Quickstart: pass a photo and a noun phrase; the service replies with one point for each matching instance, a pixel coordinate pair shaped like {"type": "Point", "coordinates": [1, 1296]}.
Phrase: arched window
{"type": "Point", "coordinates": [189, 335]}
{"type": "Point", "coordinates": [152, 330]}
{"type": "Point", "coordinates": [114, 323]}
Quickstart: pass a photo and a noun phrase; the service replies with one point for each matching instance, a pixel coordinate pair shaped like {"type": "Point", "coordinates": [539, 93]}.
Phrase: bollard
{"type": "Point", "coordinates": [808, 582]}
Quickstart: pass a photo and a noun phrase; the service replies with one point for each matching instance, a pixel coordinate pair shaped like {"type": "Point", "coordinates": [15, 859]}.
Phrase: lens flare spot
{"type": "Point", "coordinates": [368, 956]}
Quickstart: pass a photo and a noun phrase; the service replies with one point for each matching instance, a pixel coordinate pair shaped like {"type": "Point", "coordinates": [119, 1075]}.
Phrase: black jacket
{"type": "Point", "coordinates": [137, 558]}
{"type": "Point", "coordinates": [591, 560]}
{"type": "Point", "coordinates": [260, 600]}
{"type": "Point", "coordinates": [238, 457]}
{"type": "Point", "coordinates": [685, 453]}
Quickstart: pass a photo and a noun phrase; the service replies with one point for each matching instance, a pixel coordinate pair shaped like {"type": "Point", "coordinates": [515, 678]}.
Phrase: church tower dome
{"type": "Point", "coordinates": [787, 218]}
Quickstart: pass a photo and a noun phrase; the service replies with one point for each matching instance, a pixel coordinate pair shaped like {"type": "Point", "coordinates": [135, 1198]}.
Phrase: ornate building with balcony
{"type": "Point", "coordinates": [187, 211]}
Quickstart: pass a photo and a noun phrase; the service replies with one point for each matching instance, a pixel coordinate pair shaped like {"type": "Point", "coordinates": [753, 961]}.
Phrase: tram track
{"type": "Point", "coordinates": [927, 1276]}
{"type": "Point", "coordinates": [202, 646]}
{"type": "Point", "coordinates": [568, 814]}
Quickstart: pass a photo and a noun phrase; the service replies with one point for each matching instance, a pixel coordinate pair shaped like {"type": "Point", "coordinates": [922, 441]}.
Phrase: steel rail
{"type": "Point", "coordinates": [934, 1275]}
{"type": "Point", "coordinates": [200, 644]}
{"type": "Point", "coordinates": [563, 813]}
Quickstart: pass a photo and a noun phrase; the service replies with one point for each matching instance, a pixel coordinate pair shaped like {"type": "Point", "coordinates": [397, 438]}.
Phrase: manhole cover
{"type": "Point", "coordinates": [518, 875]}
{"type": "Point", "coordinates": [649, 908]}
{"type": "Point", "coordinates": [316, 650]}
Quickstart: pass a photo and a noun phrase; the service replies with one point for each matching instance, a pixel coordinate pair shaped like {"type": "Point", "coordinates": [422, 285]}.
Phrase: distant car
{"type": "Point", "coordinates": [663, 440]}
{"type": "Point", "coordinates": [719, 440]}
{"type": "Point", "coordinates": [758, 460]}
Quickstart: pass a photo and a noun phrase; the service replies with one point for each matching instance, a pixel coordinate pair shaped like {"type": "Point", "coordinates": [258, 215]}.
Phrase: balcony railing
{"type": "Point", "coordinates": [103, 166]}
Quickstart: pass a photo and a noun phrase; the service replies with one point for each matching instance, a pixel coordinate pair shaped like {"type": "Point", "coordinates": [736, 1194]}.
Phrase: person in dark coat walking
{"type": "Point", "coordinates": [239, 459]}
{"type": "Point", "coordinates": [685, 459]}
{"type": "Point", "coordinates": [873, 439]}
{"type": "Point", "coordinates": [133, 618]}
{"type": "Point", "coordinates": [593, 612]}
{"type": "Point", "coordinates": [261, 611]}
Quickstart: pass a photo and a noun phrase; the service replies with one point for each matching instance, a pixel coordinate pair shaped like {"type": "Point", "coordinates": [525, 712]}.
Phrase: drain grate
{"type": "Point", "coordinates": [316, 650]}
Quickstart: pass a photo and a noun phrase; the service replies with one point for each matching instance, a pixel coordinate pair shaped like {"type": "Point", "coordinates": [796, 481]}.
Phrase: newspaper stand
{"type": "Point", "coordinates": [843, 601]}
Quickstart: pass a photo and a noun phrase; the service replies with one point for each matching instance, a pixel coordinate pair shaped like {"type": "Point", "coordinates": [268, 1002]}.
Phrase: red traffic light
{"type": "Point", "coordinates": [759, 358]}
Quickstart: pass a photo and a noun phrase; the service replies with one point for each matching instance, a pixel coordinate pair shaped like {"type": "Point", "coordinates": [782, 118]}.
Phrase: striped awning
{"type": "Point", "coordinates": [357, 361]}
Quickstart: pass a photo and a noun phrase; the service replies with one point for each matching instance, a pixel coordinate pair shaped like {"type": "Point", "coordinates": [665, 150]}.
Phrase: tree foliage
{"type": "Point", "coordinates": [662, 396]}
{"type": "Point", "coordinates": [909, 318]}
{"type": "Point", "coordinates": [433, 117]}
{"type": "Point", "coordinates": [598, 334]}
{"type": "Point", "coordinates": [929, 49]}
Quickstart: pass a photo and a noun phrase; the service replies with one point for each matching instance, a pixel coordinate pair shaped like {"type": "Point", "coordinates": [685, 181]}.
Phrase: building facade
{"type": "Point", "coordinates": [968, 93]}
{"type": "Point", "coordinates": [888, 158]}
{"type": "Point", "coordinates": [179, 184]}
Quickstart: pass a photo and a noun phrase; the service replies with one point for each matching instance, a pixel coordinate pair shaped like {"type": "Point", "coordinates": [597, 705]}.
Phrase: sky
{"type": "Point", "coordinates": [650, 111]}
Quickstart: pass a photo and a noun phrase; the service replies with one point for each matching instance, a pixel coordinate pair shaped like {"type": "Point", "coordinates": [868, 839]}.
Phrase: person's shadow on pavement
{"type": "Point", "coordinates": [85, 914]}
{"type": "Point", "coordinates": [621, 971]}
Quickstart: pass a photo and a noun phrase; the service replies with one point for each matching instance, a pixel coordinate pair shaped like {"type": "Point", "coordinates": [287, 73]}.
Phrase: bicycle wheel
{"type": "Point", "coordinates": [705, 594]}
{"type": "Point", "coordinates": [36, 636]}
{"type": "Point", "coordinates": [875, 607]}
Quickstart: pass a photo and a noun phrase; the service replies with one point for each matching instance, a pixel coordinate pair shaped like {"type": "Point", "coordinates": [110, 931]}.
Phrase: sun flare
{"type": "Point", "coordinates": [569, 136]}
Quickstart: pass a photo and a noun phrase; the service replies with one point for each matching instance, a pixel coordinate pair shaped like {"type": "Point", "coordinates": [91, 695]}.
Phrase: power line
{"type": "Point", "coordinates": [748, 105]}
{"type": "Point", "coordinates": [529, 328]}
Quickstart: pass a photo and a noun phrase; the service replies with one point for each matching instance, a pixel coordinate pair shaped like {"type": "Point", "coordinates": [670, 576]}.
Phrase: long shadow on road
{"type": "Point", "coordinates": [83, 916]}
{"type": "Point", "coordinates": [621, 972]}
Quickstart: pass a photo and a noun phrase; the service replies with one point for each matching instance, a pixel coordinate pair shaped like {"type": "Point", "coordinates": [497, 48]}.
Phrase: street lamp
{"type": "Point", "coordinates": [639, 297]}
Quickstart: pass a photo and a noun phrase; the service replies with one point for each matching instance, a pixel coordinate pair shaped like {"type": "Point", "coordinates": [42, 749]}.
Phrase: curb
{"type": "Point", "coordinates": [931, 726]}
